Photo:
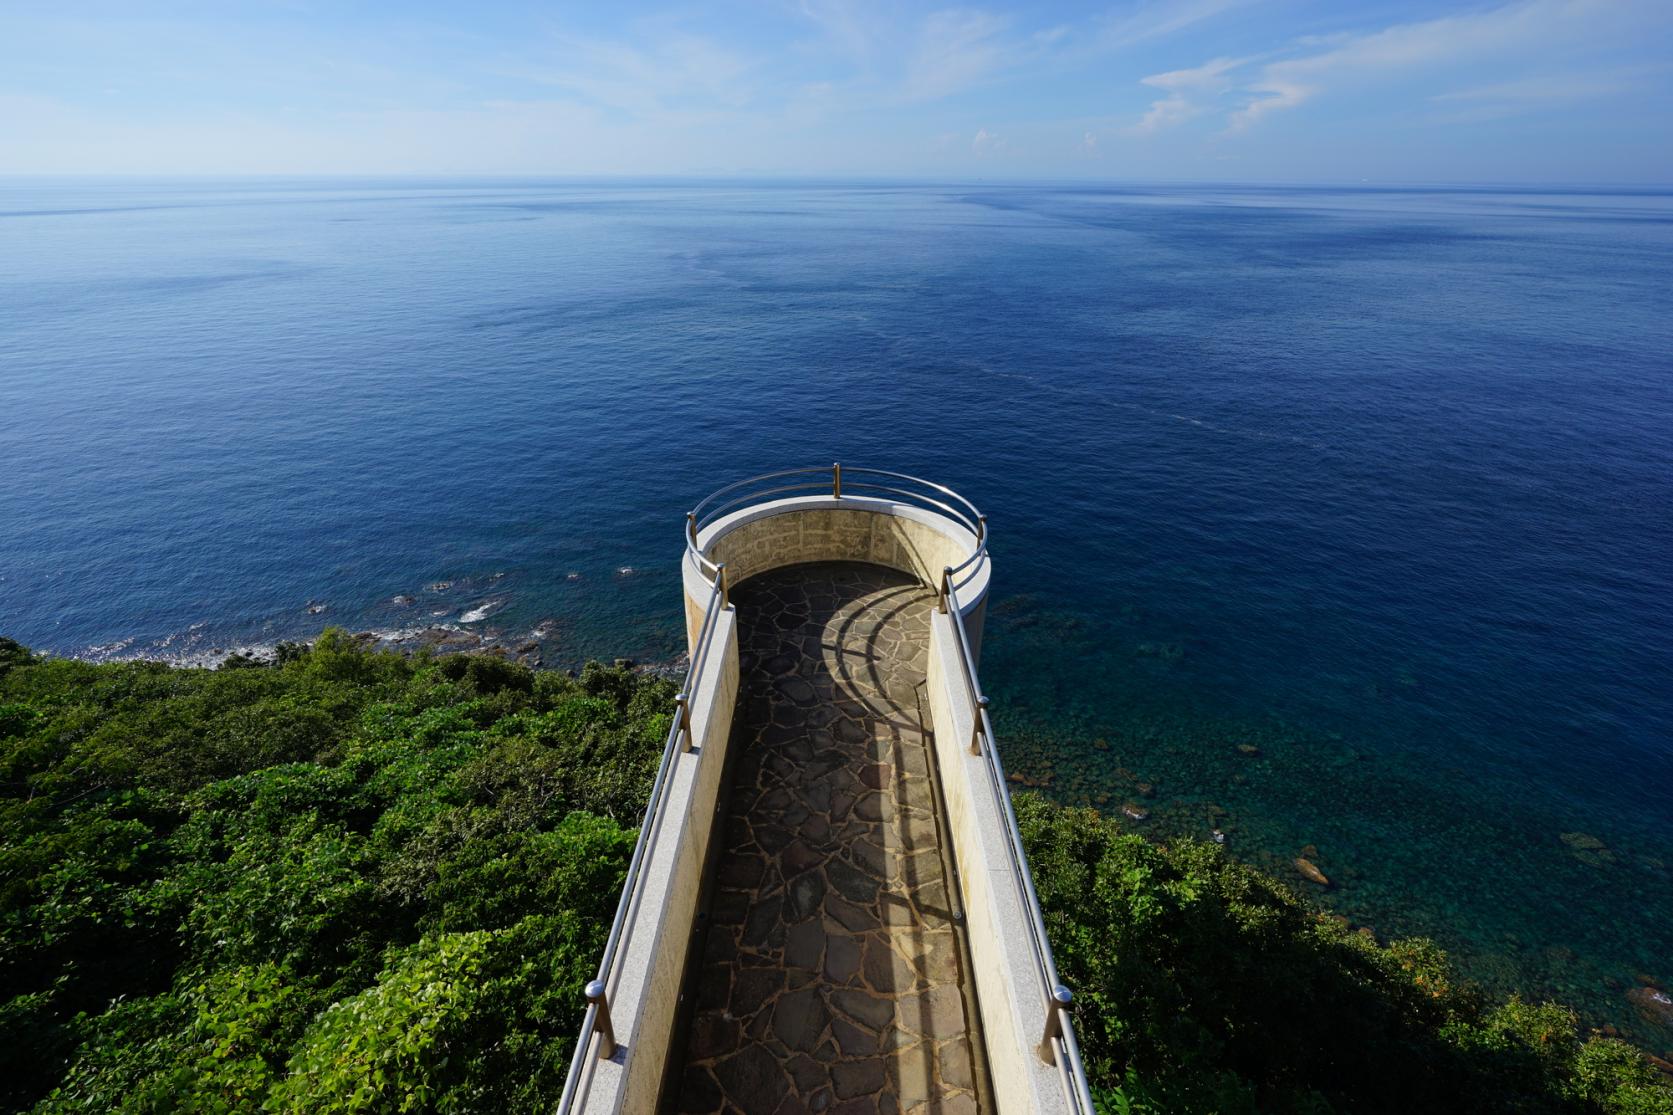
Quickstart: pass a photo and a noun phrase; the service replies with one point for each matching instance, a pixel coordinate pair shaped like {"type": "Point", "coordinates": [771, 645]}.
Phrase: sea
{"type": "Point", "coordinates": [1339, 520]}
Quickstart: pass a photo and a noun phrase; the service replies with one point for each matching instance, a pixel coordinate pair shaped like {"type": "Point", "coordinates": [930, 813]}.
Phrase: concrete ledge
{"type": "Point", "coordinates": [1008, 984]}
{"type": "Point", "coordinates": [651, 962]}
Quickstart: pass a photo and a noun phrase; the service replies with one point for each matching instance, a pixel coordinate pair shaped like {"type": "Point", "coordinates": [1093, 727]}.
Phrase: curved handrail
{"type": "Point", "coordinates": [834, 481]}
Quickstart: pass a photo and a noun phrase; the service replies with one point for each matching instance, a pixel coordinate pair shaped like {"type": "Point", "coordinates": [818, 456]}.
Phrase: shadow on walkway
{"type": "Point", "coordinates": [833, 978]}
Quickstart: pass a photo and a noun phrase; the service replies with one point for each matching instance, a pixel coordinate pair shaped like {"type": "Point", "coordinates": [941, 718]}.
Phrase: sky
{"type": "Point", "coordinates": [1525, 91]}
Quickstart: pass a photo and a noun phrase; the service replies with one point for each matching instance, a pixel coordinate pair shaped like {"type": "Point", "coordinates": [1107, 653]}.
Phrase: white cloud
{"type": "Point", "coordinates": [1270, 94]}
{"type": "Point", "coordinates": [1506, 30]}
{"type": "Point", "coordinates": [1317, 65]}
{"type": "Point", "coordinates": [1186, 92]}
{"type": "Point", "coordinates": [986, 143]}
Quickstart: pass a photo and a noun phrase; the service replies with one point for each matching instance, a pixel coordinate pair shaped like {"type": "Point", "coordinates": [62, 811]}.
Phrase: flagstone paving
{"type": "Point", "coordinates": [834, 976]}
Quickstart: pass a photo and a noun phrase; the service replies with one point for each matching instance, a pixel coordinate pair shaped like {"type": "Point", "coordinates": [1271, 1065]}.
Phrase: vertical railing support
{"type": "Point", "coordinates": [725, 589]}
{"type": "Point", "coordinates": [684, 704]}
{"type": "Point", "coordinates": [1055, 1006]}
{"type": "Point", "coordinates": [691, 526]}
{"type": "Point", "coordinates": [606, 1032]}
{"type": "Point", "coordinates": [976, 725]}
{"type": "Point", "coordinates": [836, 480]}
{"type": "Point", "coordinates": [946, 589]}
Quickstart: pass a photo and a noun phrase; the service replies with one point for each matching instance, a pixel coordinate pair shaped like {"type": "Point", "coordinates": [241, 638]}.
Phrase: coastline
{"type": "Point", "coordinates": [1164, 795]}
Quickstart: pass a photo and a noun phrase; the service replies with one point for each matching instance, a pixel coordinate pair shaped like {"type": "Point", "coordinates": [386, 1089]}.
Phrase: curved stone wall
{"type": "Point", "coordinates": [883, 532]}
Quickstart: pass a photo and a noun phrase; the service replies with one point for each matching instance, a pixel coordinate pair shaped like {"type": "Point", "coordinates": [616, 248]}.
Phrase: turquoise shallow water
{"type": "Point", "coordinates": [1375, 482]}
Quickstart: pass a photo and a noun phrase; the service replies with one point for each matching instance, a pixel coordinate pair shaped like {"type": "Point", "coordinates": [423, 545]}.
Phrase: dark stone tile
{"type": "Point", "coordinates": [699, 1094]}
{"type": "Point", "coordinates": [864, 1007]}
{"type": "Point", "coordinates": [753, 1080]}
{"type": "Point", "coordinates": [800, 1018]}
{"type": "Point", "coordinates": [858, 1078]}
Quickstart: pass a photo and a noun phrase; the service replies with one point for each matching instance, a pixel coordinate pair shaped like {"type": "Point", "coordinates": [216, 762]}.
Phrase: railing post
{"type": "Point", "coordinates": [606, 1032]}
{"type": "Point", "coordinates": [1055, 1006]}
{"type": "Point", "coordinates": [946, 589]}
{"type": "Point", "coordinates": [725, 590]}
{"type": "Point", "coordinates": [691, 526]}
{"type": "Point", "coordinates": [684, 704]}
{"type": "Point", "coordinates": [976, 726]}
{"type": "Point", "coordinates": [836, 480]}
{"type": "Point", "coordinates": [981, 529]}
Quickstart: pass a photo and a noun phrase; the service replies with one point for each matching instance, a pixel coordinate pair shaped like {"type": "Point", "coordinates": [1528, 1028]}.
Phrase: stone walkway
{"type": "Point", "coordinates": [833, 977]}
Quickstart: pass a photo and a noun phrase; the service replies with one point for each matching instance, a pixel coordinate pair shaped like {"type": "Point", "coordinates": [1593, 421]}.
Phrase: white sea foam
{"type": "Point", "coordinates": [481, 611]}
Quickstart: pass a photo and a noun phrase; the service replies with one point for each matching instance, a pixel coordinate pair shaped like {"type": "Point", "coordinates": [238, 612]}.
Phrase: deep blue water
{"type": "Point", "coordinates": [1378, 481]}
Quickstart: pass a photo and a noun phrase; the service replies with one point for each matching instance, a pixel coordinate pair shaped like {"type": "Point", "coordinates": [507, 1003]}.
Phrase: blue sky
{"type": "Point", "coordinates": [1574, 91]}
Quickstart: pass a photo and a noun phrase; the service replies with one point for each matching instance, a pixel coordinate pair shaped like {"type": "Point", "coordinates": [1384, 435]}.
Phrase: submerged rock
{"type": "Point", "coordinates": [1134, 812]}
{"type": "Point", "coordinates": [1248, 749]}
{"type": "Point", "coordinates": [403, 601]}
{"type": "Point", "coordinates": [1654, 1004]}
{"type": "Point", "coordinates": [1310, 871]}
{"type": "Point", "coordinates": [1588, 849]}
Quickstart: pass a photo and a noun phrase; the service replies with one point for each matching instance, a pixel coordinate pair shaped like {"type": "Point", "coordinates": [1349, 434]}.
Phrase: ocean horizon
{"type": "Point", "coordinates": [1330, 517]}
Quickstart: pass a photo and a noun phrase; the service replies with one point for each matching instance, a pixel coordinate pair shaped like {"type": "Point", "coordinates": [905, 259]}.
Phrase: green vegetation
{"type": "Point", "coordinates": [1203, 985]}
{"type": "Point", "coordinates": [363, 882]}
{"type": "Point", "coordinates": [347, 882]}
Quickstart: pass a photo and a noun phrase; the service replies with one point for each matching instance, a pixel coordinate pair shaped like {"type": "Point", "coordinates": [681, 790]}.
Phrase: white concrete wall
{"type": "Point", "coordinates": [885, 532]}
{"type": "Point", "coordinates": [651, 962]}
{"type": "Point", "coordinates": [1009, 992]}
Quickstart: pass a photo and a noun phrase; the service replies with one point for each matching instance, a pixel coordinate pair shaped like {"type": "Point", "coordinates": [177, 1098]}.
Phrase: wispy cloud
{"type": "Point", "coordinates": [850, 86]}
{"type": "Point", "coordinates": [1157, 19]}
{"type": "Point", "coordinates": [1188, 93]}
{"type": "Point", "coordinates": [1498, 100]}
{"type": "Point", "coordinates": [659, 70]}
{"type": "Point", "coordinates": [955, 50]}
{"type": "Point", "coordinates": [1314, 66]}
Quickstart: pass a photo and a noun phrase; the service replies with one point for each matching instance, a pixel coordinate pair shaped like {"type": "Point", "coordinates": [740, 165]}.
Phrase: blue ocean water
{"type": "Point", "coordinates": [1374, 482]}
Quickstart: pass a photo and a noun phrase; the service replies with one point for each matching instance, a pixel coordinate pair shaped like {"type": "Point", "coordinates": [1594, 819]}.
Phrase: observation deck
{"type": "Point", "coordinates": [829, 909]}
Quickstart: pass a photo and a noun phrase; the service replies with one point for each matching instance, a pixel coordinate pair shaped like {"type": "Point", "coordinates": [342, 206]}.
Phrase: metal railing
{"type": "Point", "coordinates": [838, 483]}
{"type": "Point", "coordinates": [1057, 1045]}
{"type": "Point", "coordinates": [603, 985]}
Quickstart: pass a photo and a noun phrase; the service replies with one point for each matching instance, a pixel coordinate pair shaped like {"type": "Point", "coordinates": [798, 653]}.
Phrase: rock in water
{"type": "Point", "coordinates": [1588, 849]}
{"type": "Point", "coordinates": [1310, 872]}
{"type": "Point", "coordinates": [1654, 1004]}
{"type": "Point", "coordinates": [1248, 749]}
{"type": "Point", "coordinates": [1134, 812]}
